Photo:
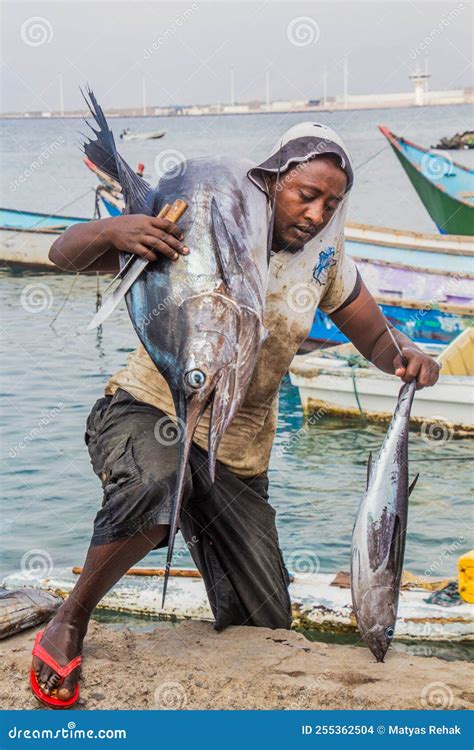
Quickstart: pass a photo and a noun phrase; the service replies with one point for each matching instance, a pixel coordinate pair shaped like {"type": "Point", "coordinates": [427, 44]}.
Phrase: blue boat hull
{"type": "Point", "coordinates": [424, 325]}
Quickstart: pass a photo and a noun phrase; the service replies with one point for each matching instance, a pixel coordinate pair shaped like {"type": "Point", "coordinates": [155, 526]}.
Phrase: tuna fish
{"type": "Point", "coordinates": [24, 609]}
{"type": "Point", "coordinates": [378, 538]}
{"type": "Point", "coordinates": [200, 318]}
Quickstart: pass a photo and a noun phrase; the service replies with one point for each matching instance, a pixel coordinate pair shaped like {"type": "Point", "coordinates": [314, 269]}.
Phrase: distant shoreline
{"type": "Point", "coordinates": [298, 111]}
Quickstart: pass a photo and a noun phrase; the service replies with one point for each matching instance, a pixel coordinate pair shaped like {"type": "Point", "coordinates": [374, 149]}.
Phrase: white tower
{"type": "Point", "coordinates": [420, 80]}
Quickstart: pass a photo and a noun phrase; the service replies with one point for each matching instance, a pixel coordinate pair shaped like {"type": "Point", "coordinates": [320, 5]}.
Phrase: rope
{"type": "Point", "coordinates": [362, 164]}
{"type": "Point", "coordinates": [96, 204]}
{"type": "Point", "coordinates": [98, 296]}
{"type": "Point", "coordinates": [356, 394]}
{"type": "Point", "coordinates": [50, 216]}
{"type": "Point", "coordinates": [65, 299]}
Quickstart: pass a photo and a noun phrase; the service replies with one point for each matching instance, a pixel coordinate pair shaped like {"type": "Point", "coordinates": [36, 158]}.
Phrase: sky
{"type": "Point", "coordinates": [190, 52]}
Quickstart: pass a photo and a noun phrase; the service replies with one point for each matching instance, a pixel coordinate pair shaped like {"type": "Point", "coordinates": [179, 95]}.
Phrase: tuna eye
{"type": "Point", "coordinates": [389, 632]}
{"type": "Point", "coordinates": [195, 378]}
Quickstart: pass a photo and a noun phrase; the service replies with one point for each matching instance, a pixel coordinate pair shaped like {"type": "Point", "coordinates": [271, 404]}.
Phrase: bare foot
{"type": "Point", "coordinates": [62, 638]}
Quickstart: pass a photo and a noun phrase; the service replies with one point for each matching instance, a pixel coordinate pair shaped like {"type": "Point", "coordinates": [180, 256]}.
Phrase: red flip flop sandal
{"type": "Point", "coordinates": [50, 700]}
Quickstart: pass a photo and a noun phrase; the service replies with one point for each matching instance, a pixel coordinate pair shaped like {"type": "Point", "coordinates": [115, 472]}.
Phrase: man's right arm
{"type": "Point", "coordinates": [94, 245]}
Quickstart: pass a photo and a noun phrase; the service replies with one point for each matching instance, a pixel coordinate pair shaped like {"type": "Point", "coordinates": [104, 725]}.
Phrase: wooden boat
{"type": "Point", "coordinates": [26, 237]}
{"type": "Point", "coordinates": [425, 322]}
{"type": "Point", "coordinates": [404, 246]}
{"type": "Point", "coordinates": [126, 135]}
{"type": "Point", "coordinates": [401, 282]}
{"type": "Point", "coordinates": [445, 187]}
{"type": "Point", "coordinates": [111, 200]}
{"type": "Point", "coordinates": [318, 604]}
{"type": "Point", "coordinates": [329, 383]}
{"type": "Point", "coordinates": [104, 179]}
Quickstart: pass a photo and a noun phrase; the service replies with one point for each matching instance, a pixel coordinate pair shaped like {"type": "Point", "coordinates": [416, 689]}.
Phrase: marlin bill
{"type": "Point", "coordinates": [200, 318]}
{"type": "Point", "coordinates": [378, 538]}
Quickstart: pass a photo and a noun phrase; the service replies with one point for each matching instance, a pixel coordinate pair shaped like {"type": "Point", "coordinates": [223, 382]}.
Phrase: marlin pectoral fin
{"type": "Point", "coordinates": [103, 152]}
{"type": "Point", "coordinates": [412, 485]}
{"type": "Point", "coordinates": [226, 248]}
{"type": "Point", "coordinates": [221, 413]}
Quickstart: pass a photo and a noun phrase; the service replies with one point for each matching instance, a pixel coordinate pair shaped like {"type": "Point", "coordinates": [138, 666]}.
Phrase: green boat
{"type": "Point", "coordinates": [445, 187]}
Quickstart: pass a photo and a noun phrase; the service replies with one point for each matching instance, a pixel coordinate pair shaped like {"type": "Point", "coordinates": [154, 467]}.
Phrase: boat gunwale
{"type": "Point", "coordinates": [417, 269]}
{"type": "Point", "coordinates": [414, 304]}
{"type": "Point", "coordinates": [400, 242]}
{"type": "Point", "coordinates": [38, 213]}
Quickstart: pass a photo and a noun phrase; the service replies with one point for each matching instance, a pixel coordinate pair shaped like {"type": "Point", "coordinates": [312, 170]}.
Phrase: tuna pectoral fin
{"type": "Point", "coordinates": [412, 485]}
{"type": "Point", "coordinates": [397, 545]}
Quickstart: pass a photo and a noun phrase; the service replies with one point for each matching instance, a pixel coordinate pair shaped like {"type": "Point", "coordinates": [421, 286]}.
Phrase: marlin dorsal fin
{"type": "Point", "coordinates": [101, 150]}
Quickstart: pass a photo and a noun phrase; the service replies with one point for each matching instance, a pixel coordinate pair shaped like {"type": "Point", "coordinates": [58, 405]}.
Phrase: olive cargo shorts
{"type": "Point", "coordinates": [229, 526]}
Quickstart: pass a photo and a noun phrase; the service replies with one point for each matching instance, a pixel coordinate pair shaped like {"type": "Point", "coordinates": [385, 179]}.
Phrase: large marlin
{"type": "Point", "coordinates": [200, 318]}
{"type": "Point", "coordinates": [378, 538]}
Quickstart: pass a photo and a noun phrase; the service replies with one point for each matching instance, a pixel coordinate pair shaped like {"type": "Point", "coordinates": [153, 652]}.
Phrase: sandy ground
{"type": "Point", "coordinates": [193, 667]}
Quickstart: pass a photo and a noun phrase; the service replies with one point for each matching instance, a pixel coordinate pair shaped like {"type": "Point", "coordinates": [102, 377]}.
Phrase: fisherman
{"type": "Point", "coordinates": [229, 526]}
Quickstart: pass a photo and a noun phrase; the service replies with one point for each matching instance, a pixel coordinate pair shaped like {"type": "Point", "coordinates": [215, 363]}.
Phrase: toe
{"type": "Point", "coordinates": [44, 675]}
{"type": "Point", "coordinates": [52, 682]}
{"type": "Point", "coordinates": [69, 685]}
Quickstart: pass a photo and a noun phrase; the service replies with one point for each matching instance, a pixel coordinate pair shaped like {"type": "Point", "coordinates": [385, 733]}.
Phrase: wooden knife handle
{"type": "Point", "coordinates": [176, 211]}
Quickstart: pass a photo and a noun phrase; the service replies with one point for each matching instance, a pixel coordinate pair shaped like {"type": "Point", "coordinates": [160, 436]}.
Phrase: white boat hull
{"type": "Point", "coordinates": [327, 386]}
{"type": "Point", "coordinates": [23, 248]}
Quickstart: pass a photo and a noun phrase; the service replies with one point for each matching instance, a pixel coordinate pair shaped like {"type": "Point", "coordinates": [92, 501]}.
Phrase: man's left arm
{"type": "Point", "coordinates": [362, 321]}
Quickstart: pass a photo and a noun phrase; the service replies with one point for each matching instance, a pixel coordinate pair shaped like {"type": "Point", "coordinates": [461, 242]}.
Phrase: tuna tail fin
{"type": "Point", "coordinates": [102, 151]}
{"type": "Point", "coordinates": [412, 485]}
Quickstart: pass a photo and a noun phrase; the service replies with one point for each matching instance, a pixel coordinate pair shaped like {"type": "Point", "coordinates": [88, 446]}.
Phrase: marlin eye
{"type": "Point", "coordinates": [389, 632]}
{"type": "Point", "coordinates": [195, 378]}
